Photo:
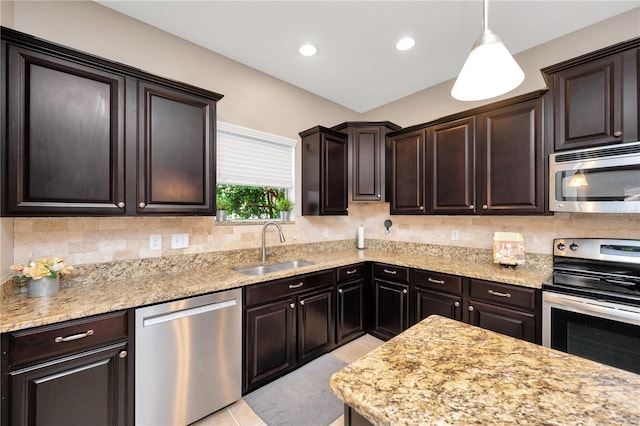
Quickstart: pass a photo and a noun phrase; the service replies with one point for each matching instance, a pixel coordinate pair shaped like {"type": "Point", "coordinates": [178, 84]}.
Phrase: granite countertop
{"type": "Point", "coordinates": [110, 290]}
{"type": "Point", "coordinates": [445, 372]}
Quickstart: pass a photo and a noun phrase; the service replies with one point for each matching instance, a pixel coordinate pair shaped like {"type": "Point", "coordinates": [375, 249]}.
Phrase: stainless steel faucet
{"type": "Point", "coordinates": [264, 243]}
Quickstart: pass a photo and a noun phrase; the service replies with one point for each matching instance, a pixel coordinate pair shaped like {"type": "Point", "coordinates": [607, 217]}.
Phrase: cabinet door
{"type": "Point", "coordinates": [367, 149]}
{"type": "Point", "coordinates": [513, 159]}
{"type": "Point", "coordinates": [588, 104]}
{"type": "Point", "coordinates": [391, 308]}
{"type": "Point", "coordinates": [429, 302]}
{"type": "Point", "coordinates": [315, 324]}
{"type": "Point", "coordinates": [65, 136]}
{"type": "Point", "coordinates": [407, 169]}
{"type": "Point", "coordinates": [452, 167]}
{"type": "Point", "coordinates": [350, 311]}
{"type": "Point", "coordinates": [334, 185]}
{"type": "Point", "coordinates": [270, 341]}
{"type": "Point", "coordinates": [84, 389]}
{"type": "Point", "coordinates": [514, 323]}
{"type": "Point", "coordinates": [176, 152]}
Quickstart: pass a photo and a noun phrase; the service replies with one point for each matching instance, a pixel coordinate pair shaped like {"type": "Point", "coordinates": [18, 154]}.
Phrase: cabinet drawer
{"type": "Point", "coordinates": [503, 294]}
{"type": "Point", "coordinates": [394, 273]}
{"type": "Point", "coordinates": [438, 282]}
{"type": "Point", "coordinates": [64, 338]}
{"type": "Point", "coordinates": [351, 272]}
{"type": "Point", "coordinates": [260, 293]}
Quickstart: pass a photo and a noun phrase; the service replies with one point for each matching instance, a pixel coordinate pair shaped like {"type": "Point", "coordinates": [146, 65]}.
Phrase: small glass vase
{"type": "Point", "coordinates": [285, 216]}
{"type": "Point", "coordinates": [46, 286]}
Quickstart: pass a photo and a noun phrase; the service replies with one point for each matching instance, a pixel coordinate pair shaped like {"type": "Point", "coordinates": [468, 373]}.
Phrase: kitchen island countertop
{"type": "Point", "coordinates": [108, 291]}
{"type": "Point", "coordinates": [444, 372]}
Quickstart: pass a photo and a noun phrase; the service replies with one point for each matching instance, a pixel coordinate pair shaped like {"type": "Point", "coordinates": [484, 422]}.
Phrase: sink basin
{"type": "Point", "coordinates": [278, 267]}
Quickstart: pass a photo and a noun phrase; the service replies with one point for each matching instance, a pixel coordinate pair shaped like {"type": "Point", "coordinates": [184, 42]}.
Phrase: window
{"type": "Point", "coordinates": [254, 170]}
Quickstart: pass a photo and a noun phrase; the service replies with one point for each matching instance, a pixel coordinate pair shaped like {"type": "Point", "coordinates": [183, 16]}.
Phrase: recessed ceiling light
{"type": "Point", "coordinates": [405, 43]}
{"type": "Point", "coordinates": [307, 50]}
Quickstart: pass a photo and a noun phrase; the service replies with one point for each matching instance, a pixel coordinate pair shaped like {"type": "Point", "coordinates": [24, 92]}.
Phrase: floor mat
{"type": "Point", "coordinates": [300, 398]}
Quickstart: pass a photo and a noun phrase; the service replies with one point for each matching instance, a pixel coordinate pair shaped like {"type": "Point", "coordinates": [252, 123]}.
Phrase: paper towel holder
{"type": "Point", "coordinates": [387, 224]}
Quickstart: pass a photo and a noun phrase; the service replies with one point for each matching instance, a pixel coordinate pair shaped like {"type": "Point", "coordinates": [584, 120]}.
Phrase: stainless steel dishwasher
{"type": "Point", "coordinates": [188, 358]}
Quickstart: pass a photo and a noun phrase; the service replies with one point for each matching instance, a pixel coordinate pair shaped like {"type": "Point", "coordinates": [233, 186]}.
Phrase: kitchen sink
{"type": "Point", "coordinates": [277, 267]}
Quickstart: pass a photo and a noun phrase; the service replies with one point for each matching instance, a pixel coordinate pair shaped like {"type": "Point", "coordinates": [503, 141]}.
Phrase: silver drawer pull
{"type": "Point", "coordinates": [431, 280]}
{"type": "Point", "coordinates": [74, 337]}
{"type": "Point", "coordinates": [340, 291]}
{"type": "Point", "coordinates": [300, 284]}
{"type": "Point", "coordinates": [352, 272]}
{"type": "Point", "coordinates": [497, 293]}
{"type": "Point", "coordinates": [390, 272]}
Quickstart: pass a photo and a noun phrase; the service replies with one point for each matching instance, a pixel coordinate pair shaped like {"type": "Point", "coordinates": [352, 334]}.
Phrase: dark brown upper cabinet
{"type": "Point", "coordinates": [512, 160]}
{"type": "Point", "coordinates": [367, 159]}
{"type": "Point", "coordinates": [176, 151]}
{"type": "Point", "coordinates": [87, 136]}
{"type": "Point", "coordinates": [452, 171]}
{"type": "Point", "coordinates": [595, 97]}
{"type": "Point", "coordinates": [489, 160]}
{"type": "Point", "coordinates": [324, 172]}
{"type": "Point", "coordinates": [407, 154]}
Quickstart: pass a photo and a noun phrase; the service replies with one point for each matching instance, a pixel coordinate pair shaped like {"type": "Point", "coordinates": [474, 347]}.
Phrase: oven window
{"type": "Point", "coordinates": [608, 342]}
{"type": "Point", "coordinates": [601, 184]}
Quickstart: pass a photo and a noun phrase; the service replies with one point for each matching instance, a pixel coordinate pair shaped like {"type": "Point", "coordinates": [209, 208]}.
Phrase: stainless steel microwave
{"type": "Point", "coordinates": [596, 180]}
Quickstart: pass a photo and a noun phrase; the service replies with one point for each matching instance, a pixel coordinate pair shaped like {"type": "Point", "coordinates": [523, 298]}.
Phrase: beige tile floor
{"type": "Point", "coordinates": [240, 414]}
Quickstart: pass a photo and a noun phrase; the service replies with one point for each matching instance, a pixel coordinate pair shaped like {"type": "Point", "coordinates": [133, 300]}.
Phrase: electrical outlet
{"type": "Point", "coordinates": [455, 234]}
{"type": "Point", "coordinates": [179, 241]}
{"type": "Point", "coordinates": [155, 242]}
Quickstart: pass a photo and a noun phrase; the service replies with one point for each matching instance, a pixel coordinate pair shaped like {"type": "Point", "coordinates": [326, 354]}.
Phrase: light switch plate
{"type": "Point", "coordinates": [155, 242]}
{"type": "Point", "coordinates": [179, 241]}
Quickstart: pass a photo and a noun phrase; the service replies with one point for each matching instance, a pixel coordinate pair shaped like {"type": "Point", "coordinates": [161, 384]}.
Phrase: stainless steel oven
{"type": "Point", "coordinates": [596, 180]}
{"type": "Point", "coordinates": [591, 304]}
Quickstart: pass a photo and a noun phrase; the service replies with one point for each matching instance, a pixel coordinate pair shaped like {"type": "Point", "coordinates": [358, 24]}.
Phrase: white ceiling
{"type": "Point", "coordinates": [357, 64]}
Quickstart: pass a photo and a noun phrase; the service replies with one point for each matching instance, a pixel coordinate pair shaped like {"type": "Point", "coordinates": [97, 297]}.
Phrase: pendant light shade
{"type": "Point", "coordinates": [489, 71]}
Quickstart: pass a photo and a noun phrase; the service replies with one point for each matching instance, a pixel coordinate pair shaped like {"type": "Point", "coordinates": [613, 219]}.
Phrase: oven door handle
{"type": "Point", "coordinates": [608, 310]}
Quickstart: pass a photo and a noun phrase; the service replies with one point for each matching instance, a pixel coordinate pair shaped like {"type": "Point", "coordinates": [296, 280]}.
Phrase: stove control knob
{"type": "Point", "coordinates": [561, 246]}
{"type": "Point", "coordinates": [574, 247]}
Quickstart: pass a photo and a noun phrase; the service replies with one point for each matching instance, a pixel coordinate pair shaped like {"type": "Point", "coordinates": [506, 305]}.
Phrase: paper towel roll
{"type": "Point", "coordinates": [360, 237]}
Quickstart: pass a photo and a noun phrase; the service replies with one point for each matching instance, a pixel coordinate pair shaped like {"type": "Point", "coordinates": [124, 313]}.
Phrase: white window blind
{"type": "Point", "coordinates": [253, 158]}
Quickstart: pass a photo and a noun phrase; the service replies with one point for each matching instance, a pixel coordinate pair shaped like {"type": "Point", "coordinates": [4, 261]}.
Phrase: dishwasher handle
{"type": "Point", "coordinates": [171, 316]}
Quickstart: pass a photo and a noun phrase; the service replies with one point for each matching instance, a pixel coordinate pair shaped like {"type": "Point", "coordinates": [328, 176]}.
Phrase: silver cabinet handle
{"type": "Point", "coordinates": [142, 205]}
{"type": "Point", "coordinates": [404, 291]}
{"type": "Point", "coordinates": [60, 339]}
{"type": "Point", "coordinates": [421, 207]}
{"type": "Point", "coordinates": [457, 304]}
{"type": "Point", "coordinates": [431, 280]}
{"type": "Point", "coordinates": [617, 133]}
{"type": "Point", "coordinates": [352, 272]}
{"type": "Point", "coordinates": [497, 293]}
{"type": "Point", "coordinates": [390, 272]}
{"type": "Point", "coordinates": [123, 354]}
{"type": "Point", "coordinates": [302, 303]}
{"type": "Point", "coordinates": [292, 305]}
{"type": "Point", "coordinates": [300, 284]}
{"type": "Point", "coordinates": [471, 206]}
{"type": "Point", "coordinates": [484, 206]}
{"type": "Point", "coordinates": [378, 195]}
{"type": "Point", "coordinates": [121, 205]}
{"type": "Point", "coordinates": [470, 308]}
{"type": "Point", "coordinates": [340, 291]}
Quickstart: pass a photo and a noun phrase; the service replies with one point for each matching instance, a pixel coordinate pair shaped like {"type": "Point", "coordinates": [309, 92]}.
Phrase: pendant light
{"type": "Point", "coordinates": [490, 70]}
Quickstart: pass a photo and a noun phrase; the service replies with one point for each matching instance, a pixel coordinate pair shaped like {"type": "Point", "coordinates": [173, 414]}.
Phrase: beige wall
{"type": "Point", "coordinates": [261, 102]}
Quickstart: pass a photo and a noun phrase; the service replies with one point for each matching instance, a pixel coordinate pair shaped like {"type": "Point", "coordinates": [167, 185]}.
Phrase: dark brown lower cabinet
{"type": "Point", "coordinates": [270, 341]}
{"type": "Point", "coordinates": [81, 389]}
{"type": "Point", "coordinates": [391, 308]}
{"type": "Point", "coordinates": [350, 311]}
{"type": "Point", "coordinates": [428, 302]}
{"type": "Point", "coordinates": [512, 322]}
{"type": "Point", "coordinates": [287, 322]}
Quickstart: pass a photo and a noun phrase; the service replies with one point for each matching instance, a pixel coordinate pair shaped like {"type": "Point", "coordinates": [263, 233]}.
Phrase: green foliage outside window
{"type": "Point", "coordinates": [251, 202]}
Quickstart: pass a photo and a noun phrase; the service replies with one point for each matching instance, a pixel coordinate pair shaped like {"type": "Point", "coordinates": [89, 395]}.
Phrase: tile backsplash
{"type": "Point", "coordinates": [96, 240]}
